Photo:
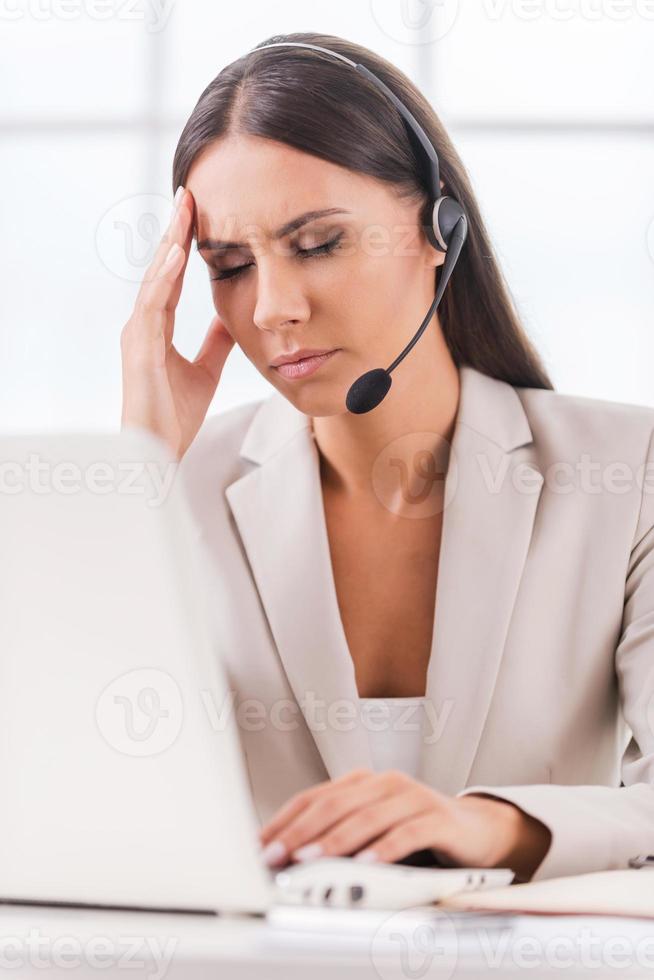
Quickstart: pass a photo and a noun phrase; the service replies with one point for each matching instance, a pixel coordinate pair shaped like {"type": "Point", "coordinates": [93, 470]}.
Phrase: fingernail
{"type": "Point", "coordinates": [273, 852]}
{"type": "Point", "coordinates": [308, 852]}
{"type": "Point", "coordinates": [178, 195]}
{"type": "Point", "coordinates": [367, 855]}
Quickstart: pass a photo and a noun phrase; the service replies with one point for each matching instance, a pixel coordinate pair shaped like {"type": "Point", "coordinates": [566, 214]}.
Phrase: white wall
{"type": "Point", "coordinates": [549, 102]}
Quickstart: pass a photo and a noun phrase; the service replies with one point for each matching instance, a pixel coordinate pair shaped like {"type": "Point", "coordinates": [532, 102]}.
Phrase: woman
{"type": "Point", "coordinates": [505, 719]}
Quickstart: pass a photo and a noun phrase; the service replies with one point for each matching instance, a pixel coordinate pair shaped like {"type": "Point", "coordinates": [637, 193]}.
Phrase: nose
{"type": "Point", "coordinates": [280, 297]}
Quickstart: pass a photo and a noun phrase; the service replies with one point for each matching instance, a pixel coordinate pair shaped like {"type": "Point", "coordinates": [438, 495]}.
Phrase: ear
{"type": "Point", "coordinates": [433, 258]}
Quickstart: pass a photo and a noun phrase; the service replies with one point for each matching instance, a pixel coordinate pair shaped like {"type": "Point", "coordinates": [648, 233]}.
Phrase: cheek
{"type": "Point", "coordinates": [229, 317]}
{"type": "Point", "coordinates": [379, 281]}
{"type": "Point", "coordinates": [229, 308]}
{"type": "Point", "coordinates": [238, 323]}
{"type": "Point", "coordinates": [379, 272]}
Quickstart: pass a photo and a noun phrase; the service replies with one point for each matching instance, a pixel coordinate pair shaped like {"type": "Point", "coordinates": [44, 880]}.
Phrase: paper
{"type": "Point", "coordinates": [628, 893]}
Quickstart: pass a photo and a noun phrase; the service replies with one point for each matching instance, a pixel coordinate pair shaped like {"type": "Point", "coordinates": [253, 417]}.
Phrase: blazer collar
{"type": "Point", "coordinates": [278, 510]}
{"type": "Point", "coordinates": [487, 406]}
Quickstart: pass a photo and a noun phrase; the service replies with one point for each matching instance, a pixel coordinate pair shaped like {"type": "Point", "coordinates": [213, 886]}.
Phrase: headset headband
{"type": "Point", "coordinates": [409, 119]}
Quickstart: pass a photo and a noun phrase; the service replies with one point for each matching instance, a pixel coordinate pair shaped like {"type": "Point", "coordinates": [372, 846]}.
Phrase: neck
{"type": "Point", "coordinates": [418, 414]}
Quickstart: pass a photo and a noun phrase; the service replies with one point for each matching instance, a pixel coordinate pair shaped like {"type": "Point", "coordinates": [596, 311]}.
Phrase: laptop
{"type": "Point", "coordinates": [119, 790]}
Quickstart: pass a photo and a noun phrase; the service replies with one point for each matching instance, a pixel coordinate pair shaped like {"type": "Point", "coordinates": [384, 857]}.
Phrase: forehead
{"type": "Point", "coordinates": [248, 180]}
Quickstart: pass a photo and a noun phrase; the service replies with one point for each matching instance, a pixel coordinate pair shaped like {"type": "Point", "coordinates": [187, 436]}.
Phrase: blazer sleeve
{"type": "Point", "coordinates": [594, 827]}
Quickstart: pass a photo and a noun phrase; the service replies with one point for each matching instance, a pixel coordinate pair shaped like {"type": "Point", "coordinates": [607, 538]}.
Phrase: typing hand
{"type": "Point", "coordinates": [384, 816]}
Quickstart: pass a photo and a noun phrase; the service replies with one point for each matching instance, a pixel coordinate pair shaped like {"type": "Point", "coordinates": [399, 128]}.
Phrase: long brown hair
{"type": "Point", "coordinates": [314, 103]}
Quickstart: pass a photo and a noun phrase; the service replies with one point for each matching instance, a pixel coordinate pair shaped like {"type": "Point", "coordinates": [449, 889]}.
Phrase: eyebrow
{"type": "Point", "coordinates": [213, 245]}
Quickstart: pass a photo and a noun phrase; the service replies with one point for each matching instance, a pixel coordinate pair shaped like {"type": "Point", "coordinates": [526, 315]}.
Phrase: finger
{"type": "Point", "coordinates": [176, 233]}
{"type": "Point", "coordinates": [152, 321]}
{"type": "Point", "coordinates": [168, 237]}
{"type": "Point", "coordinates": [186, 202]}
{"type": "Point", "coordinates": [327, 810]}
{"type": "Point", "coordinates": [164, 243]}
{"type": "Point", "coordinates": [370, 822]}
{"type": "Point", "coordinates": [285, 813]}
{"type": "Point", "coordinates": [215, 348]}
{"type": "Point", "coordinates": [175, 275]}
{"type": "Point", "coordinates": [303, 799]}
{"type": "Point", "coordinates": [327, 813]}
{"type": "Point", "coordinates": [158, 296]}
{"type": "Point", "coordinates": [429, 830]}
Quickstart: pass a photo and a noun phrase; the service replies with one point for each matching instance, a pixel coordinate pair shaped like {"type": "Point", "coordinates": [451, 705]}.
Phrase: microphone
{"type": "Point", "coordinates": [372, 387]}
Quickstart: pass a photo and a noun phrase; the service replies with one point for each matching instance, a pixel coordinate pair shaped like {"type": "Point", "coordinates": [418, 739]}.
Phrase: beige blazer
{"type": "Point", "coordinates": [540, 684]}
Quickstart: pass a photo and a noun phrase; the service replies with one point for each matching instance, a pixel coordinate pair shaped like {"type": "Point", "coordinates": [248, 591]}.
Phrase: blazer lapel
{"type": "Point", "coordinates": [487, 524]}
{"type": "Point", "coordinates": [278, 509]}
{"type": "Point", "coordinates": [487, 527]}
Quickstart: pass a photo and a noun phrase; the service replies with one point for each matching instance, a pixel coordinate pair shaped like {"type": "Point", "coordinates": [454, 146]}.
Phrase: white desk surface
{"type": "Point", "coordinates": [47, 941]}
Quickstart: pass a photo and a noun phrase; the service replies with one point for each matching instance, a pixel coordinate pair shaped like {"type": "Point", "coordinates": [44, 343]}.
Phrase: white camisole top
{"type": "Point", "coordinates": [395, 729]}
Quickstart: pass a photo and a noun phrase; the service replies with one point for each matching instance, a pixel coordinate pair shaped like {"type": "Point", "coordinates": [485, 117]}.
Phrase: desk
{"type": "Point", "coordinates": [46, 941]}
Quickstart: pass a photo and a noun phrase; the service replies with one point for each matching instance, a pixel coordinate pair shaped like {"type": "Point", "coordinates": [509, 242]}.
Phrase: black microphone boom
{"type": "Point", "coordinates": [370, 388]}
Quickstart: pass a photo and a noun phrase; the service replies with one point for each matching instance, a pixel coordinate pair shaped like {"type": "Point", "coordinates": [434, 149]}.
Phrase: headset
{"type": "Point", "coordinates": [447, 233]}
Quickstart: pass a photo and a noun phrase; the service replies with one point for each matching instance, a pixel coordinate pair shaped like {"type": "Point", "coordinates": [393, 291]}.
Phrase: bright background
{"type": "Point", "coordinates": [549, 102]}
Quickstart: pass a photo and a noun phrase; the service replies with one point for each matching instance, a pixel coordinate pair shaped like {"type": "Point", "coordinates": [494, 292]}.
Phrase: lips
{"type": "Point", "coordinates": [305, 366]}
{"type": "Point", "coordinates": [298, 355]}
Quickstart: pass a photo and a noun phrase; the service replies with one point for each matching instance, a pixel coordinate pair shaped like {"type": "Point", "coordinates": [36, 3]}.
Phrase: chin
{"type": "Point", "coordinates": [330, 401]}
{"type": "Point", "coordinates": [313, 395]}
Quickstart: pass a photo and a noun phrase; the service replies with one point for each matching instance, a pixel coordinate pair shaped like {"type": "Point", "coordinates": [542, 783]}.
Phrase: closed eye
{"type": "Point", "coordinates": [319, 251]}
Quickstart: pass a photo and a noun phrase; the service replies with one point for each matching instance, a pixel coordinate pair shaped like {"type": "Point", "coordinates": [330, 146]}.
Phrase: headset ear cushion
{"type": "Point", "coordinates": [431, 237]}
{"type": "Point", "coordinates": [427, 224]}
{"type": "Point", "coordinates": [447, 213]}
